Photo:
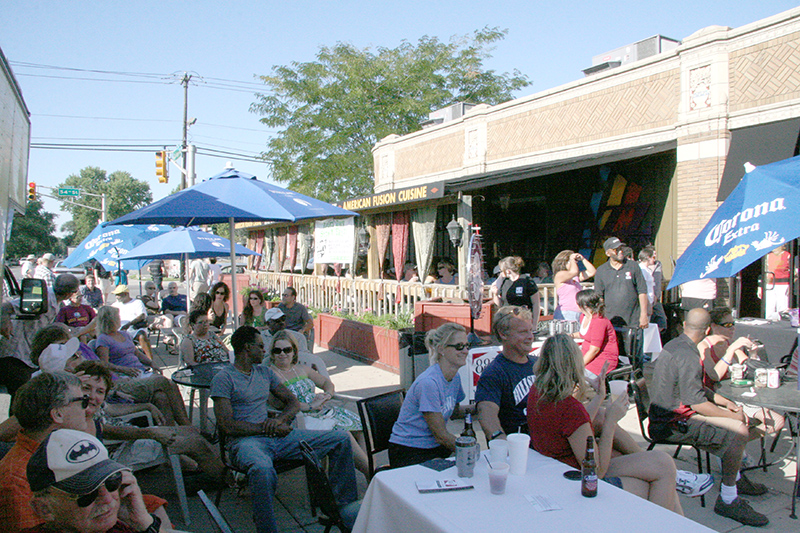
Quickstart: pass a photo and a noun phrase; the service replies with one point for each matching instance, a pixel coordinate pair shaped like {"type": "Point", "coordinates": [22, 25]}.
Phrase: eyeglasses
{"type": "Point", "coordinates": [727, 324]}
{"type": "Point", "coordinates": [286, 350]}
{"type": "Point", "coordinates": [112, 483]}
{"type": "Point", "coordinates": [221, 292]}
{"type": "Point", "coordinates": [460, 346]}
{"type": "Point", "coordinates": [83, 399]}
{"type": "Point", "coordinates": [253, 298]}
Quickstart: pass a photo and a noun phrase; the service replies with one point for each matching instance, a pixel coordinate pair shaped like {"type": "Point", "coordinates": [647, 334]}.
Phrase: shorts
{"type": "Point", "coordinates": [699, 433]}
{"type": "Point", "coordinates": [614, 480]}
{"type": "Point", "coordinates": [141, 389]}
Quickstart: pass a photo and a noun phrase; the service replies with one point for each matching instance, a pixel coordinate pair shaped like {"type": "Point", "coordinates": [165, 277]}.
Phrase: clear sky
{"type": "Point", "coordinates": [225, 44]}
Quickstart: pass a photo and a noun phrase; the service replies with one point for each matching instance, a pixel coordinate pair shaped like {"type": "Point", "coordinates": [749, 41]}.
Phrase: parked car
{"type": "Point", "coordinates": [240, 268]}
{"type": "Point", "coordinates": [78, 272]}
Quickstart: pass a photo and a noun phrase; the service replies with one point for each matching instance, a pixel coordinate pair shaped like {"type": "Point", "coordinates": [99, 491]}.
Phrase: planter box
{"type": "Point", "coordinates": [370, 344]}
{"type": "Point", "coordinates": [431, 315]}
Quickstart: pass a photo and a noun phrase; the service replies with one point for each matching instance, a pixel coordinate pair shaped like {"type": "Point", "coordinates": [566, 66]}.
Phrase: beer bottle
{"type": "Point", "coordinates": [589, 471]}
{"type": "Point", "coordinates": [468, 431]}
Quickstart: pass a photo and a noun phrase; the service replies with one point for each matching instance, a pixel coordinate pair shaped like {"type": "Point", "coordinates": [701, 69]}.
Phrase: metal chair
{"type": "Point", "coordinates": [378, 415]}
{"type": "Point", "coordinates": [630, 342]}
{"type": "Point", "coordinates": [172, 459]}
{"type": "Point", "coordinates": [319, 485]}
{"type": "Point", "coordinates": [220, 523]}
{"type": "Point", "coordinates": [642, 398]}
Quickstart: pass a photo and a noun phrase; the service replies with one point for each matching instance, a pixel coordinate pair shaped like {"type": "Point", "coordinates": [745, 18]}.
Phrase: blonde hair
{"type": "Point", "coordinates": [559, 370]}
{"type": "Point", "coordinates": [502, 318]}
{"type": "Point", "coordinates": [438, 338]}
{"type": "Point", "coordinates": [283, 335]}
{"type": "Point", "coordinates": [561, 260]}
{"type": "Point", "coordinates": [107, 319]}
{"type": "Point", "coordinates": [513, 263]}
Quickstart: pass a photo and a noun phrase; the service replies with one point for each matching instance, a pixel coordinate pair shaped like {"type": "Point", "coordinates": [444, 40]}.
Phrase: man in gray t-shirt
{"type": "Point", "coordinates": [240, 393]}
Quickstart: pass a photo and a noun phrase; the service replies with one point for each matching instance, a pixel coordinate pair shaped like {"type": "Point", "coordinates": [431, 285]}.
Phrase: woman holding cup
{"type": "Point", "coordinates": [559, 425]}
{"type": "Point", "coordinates": [420, 432]}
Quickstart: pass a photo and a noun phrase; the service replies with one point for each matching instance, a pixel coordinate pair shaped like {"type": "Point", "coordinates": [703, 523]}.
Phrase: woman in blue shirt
{"type": "Point", "coordinates": [420, 432]}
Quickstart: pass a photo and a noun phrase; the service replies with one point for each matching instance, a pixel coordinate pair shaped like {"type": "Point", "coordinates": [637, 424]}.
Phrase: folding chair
{"type": "Point", "coordinates": [630, 342]}
{"type": "Point", "coordinates": [319, 485]}
{"type": "Point", "coordinates": [220, 523]}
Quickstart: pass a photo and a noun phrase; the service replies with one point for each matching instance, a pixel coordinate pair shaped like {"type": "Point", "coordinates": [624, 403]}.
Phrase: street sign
{"type": "Point", "coordinates": [176, 153]}
{"type": "Point", "coordinates": [68, 191]}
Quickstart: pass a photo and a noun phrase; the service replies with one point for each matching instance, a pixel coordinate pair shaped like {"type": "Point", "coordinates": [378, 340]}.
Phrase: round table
{"type": "Point", "coordinates": [199, 377]}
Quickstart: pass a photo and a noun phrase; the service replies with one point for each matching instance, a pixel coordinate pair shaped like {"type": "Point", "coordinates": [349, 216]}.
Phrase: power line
{"type": "Point", "coordinates": [128, 119]}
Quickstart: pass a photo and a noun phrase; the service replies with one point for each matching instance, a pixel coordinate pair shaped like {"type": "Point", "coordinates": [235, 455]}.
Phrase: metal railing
{"type": "Point", "coordinates": [371, 295]}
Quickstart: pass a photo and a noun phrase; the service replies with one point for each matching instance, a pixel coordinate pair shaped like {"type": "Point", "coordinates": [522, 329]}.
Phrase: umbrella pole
{"type": "Point", "coordinates": [233, 277]}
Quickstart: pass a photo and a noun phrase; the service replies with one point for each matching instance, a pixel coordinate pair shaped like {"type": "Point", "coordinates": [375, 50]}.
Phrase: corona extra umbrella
{"type": "Point", "coordinates": [190, 242]}
{"type": "Point", "coordinates": [232, 196]}
{"type": "Point", "coordinates": [108, 244]}
{"type": "Point", "coordinates": [758, 216]}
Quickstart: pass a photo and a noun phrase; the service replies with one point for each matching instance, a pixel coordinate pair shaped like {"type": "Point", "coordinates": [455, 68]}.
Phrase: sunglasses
{"type": "Point", "coordinates": [727, 324]}
{"type": "Point", "coordinates": [221, 292]}
{"type": "Point", "coordinates": [112, 483]}
{"type": "Point", "coordinates": [83, 399]}
{"type": "Point", "coordinates": [460, 346]}
{"type": "Point", "coordinates": [278, 351]}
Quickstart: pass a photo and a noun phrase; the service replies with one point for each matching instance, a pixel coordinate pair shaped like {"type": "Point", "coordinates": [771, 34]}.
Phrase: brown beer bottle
{"type": "Point", "coordinates": [468, 431]}
{"type": "Point", "coordinates": [589, 471]}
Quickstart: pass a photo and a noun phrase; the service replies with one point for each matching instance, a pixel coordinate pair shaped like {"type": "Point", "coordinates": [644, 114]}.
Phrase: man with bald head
{"type": "Point", "coordinates": [682, 411]}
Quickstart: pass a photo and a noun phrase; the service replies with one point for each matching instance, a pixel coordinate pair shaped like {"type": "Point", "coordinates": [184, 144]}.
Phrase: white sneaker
{"type": "Point", "coordinates": [692, 484]}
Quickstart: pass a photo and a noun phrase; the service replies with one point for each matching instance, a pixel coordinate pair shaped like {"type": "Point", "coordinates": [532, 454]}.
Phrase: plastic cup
{"type": "Point", "coordinates": [518, 444]}
{"type": "Point", "coordinates": [499, 450]}
{"type": "Point", "coordinates": [618, 387]}
{"type": "Point", "coordinates": [498, 475]}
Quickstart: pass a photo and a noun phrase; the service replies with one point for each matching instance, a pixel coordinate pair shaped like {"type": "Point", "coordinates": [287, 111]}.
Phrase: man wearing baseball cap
{"type": "Point", "coordinates": [276, 321]}
{"type": "Point", "coordinates": [622, 286]}
{"type": "Point", "coordinates": [44, 270]}
{"type": "Point", "coordinates": [76, 487]}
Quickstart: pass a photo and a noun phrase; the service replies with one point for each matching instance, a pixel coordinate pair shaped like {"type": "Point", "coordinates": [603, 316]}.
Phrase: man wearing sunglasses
{"type": "Point", "coordinates": [78, 488]}
{"type": "Point", "coordinates": [48, 402]}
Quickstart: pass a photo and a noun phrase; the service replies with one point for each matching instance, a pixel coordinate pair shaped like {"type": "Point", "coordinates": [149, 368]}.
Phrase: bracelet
{"type": "Point", "coordinates": [495, 435]}
{"type": "Point", "coordinates": [725, 361]}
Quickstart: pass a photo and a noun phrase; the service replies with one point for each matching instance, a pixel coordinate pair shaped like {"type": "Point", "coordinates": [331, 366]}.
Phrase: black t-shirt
{"type": "Point", "coordinates": [518, 292]}
{"type": "Point", "coordinates": [620, 290]}
{"type": "Point", "coordinates": [101, 272]}
{"type": "Point", "coordinates": [677, 382]}
{"type": "Point", "coordinates": [155, 268]}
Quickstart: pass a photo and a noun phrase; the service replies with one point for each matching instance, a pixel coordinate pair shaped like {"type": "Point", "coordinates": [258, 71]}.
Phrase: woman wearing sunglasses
{"type": "Point", "coordinates": [253, 312]}
{"type": "Point", "coordinates": [201, 345]}
{"type": "Point", "coordinates": [420, 432]}
{"type": "Point", "coordinates": [319, 413]}
{"type": "Point", "coordinates": [718, 353]}
{"type": "Point", "coordinates": [218, 314]}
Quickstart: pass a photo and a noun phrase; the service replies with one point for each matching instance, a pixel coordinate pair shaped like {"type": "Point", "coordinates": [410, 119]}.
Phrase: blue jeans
{"type": "Point", "coordinates": [255, 455]}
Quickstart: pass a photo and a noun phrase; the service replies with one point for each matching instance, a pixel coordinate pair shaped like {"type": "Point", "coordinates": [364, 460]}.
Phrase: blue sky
{"type": "Point", "coordinates": [235, 40]}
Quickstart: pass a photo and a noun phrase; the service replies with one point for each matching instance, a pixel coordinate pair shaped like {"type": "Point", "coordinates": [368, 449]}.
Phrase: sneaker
{"type": "Point", "coordinates": [692, 484]}
{"type": "Point", "coordinates": [750, 488]}
{"type": "Point", "coordinates": [740, 511]}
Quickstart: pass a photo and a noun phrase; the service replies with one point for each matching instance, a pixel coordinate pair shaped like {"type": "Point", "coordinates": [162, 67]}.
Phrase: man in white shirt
{"type": "Point", "coordinates": [133, 316]}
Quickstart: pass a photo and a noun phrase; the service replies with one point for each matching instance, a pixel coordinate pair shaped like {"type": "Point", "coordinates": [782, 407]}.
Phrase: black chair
{"type": "Point", "coordinates": [631, 343]}
{"type": "Point", "coordinates": [642, 398]}
{"type": "Point", "coordinates": [282, 465]}
{"type": "Point", "coordinates": [378, 415]}
{"type": "Point", "coordinates": [320, 487]}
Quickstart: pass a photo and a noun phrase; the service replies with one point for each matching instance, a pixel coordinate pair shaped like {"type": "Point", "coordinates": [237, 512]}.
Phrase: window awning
{"type": "Point", "coordinates": [481, 181]}
{"type": "Point", "coordinates": [759, 145]}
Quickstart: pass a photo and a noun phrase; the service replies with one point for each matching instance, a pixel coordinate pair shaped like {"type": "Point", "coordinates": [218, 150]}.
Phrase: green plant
{"type": "Point", "coordinates": [398, 321]}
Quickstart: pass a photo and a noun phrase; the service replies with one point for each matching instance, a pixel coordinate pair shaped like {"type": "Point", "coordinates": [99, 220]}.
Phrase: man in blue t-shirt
{"type": "Point", "coordinates": [502, 392]}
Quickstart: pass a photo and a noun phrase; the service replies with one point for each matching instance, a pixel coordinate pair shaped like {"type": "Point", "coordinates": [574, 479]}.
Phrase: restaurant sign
{"type": "Point", "coordinates": [394, 197]}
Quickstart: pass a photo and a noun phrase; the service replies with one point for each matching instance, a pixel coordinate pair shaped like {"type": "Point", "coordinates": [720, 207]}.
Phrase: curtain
{"type": "Point", "coordinates": [399, 245]}
{"type": "Point", "coordinates": [305, 236]}
{"type": "Point", "coordinates": [259, 247]}
{"type": "Point", "coordinates": [269, 247]}
{"type": "Point", "coordinates": [251, 243]}
{"type": "Point", "coordinates": [423, 227]}
{"type": "Point", "coordinates": [383, 225]}
{"type": "Point", "coordinates": [292, 247]}
{"type": "Point", "coordinates": [280, 249]}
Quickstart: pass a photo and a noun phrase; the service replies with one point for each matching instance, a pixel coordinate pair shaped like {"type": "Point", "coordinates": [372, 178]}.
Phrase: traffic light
{"type": "Point", "coordinates": [162, 167]}
{"type": "Point", "coordinates": [31, 191]}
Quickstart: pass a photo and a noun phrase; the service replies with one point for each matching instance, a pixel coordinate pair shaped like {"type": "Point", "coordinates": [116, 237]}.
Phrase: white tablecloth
{"type": "Point", "coordinates": [393, 504]}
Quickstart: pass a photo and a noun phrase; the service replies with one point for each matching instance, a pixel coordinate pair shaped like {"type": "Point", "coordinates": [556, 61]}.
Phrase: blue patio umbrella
{"type": "Point", "coordinates": [108, 244]}
{"type": "Point", "coordinates": [759, 215]}
{"type": "Point", "coordinates": [191, 242]}
{"type": "Point", "coordinates": [232, 196]}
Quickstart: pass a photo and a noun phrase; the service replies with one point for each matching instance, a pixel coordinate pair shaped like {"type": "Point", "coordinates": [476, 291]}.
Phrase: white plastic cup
{"type": "Point", "coordinates": [498, 476]}
{"type": "Point", "coordinates": [618, 387]}
{"type": "Point", "coordinates": [518, 444]}
{"type": "Point", "coordinates": [499, 450]}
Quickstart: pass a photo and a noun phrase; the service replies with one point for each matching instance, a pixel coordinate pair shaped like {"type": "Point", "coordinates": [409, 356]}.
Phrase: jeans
{"type": "Point", "coordinates": [255, 455]}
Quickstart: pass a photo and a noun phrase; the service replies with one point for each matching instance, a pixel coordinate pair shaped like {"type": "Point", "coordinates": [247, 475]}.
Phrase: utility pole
{"type": "Point", "coordinates": [185, 83]}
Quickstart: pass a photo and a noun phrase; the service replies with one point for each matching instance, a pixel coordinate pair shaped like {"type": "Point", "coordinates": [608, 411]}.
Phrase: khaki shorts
{"type": "Point", "coordinates": [141, 389]}
{"type": "Point", "coordinates": [702, 433]}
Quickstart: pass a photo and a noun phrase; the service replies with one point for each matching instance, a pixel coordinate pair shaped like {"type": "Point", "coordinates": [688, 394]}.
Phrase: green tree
{"type": "Point", "coordinates": [330, 112]}
{"type": "Point", "coordinates": [34, 233]}
{"type": "Point", "coordinates": [123, 193]}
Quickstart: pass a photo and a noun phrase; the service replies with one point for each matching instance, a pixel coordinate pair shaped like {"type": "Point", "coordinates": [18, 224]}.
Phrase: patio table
{"type": "Point", "coordinates": [199, 377]}
{"type": "Point", "coordinates": [785, 398]}
{"type": "Point", "coordinates": [393, 504]}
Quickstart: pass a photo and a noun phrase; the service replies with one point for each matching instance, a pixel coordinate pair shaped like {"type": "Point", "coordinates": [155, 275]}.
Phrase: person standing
{"type": "Point", "coordinates": [156, 269]}
{"type": "Point", "coordinates": [214, 271]}
{"type": "Point", "coordinates": [698, 293]}
{"type": "Point", "coordinates": [778, 278]}
{"type": "Point", "coordinates": [518, 289]}
{"type": "Point", "coordinates": [621, 284]}
{"type": "Point", "coordinates": [28, 267]}
{"type": "Point", "coordinates": [198, 277]}
{"type": "Point", "coordinates": [567, 278]}
{"type": "Point", "coordinates": [44, 270]}
{"type": "Point", "coordinates": [102, 279]}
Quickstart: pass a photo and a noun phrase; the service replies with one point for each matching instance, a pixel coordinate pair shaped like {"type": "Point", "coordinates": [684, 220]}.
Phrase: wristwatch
{"type": "Point", "coordinates": [154, 527]}
{"type": "Point", "coordinates": [495, 434]}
